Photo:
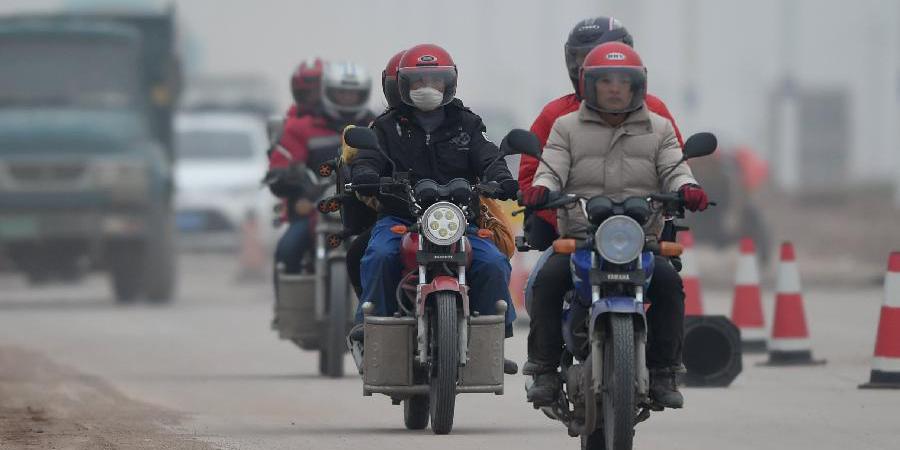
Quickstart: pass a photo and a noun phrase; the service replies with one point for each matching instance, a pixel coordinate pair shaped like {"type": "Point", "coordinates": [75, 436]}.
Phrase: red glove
{"type": "Point", "coordinates": [534, 196]}
{"type": "Point", "coordinates": [695, 198]}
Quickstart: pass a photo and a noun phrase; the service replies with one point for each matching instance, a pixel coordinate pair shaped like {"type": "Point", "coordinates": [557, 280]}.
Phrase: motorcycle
{"type": "Point", "coordinates": [435, 347]}
{"type": "Point", "coordinates": [314, 309]}
{"type": "Point", "coordinates": [605, 381]}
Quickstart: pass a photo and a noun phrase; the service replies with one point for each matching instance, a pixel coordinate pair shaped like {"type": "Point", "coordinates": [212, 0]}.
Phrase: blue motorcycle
{"type": "Point", "coordinates": [605, 381]}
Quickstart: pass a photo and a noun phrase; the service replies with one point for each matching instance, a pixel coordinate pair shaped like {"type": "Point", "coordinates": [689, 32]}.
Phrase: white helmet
{"type": "Point", "coordinates": [345, 90]}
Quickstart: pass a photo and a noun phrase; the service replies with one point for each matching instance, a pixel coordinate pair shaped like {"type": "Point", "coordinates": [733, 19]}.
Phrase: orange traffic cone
{"type": "Point", "coordinates": [747, 309]}
{"type": "Point", "coordinates": [886, 365]}
{"type": "Point", "coordinates": [517, 281]}
{"type": "Point", "coordinates": [693, 303]}
{"type": "Point", "coordinates": [790, 339]}
{"type": "Point", "coordinates": [252, 259]}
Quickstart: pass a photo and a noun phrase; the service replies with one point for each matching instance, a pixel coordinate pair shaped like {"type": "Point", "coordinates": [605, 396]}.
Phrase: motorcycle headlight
{"type": "Point", "coordinates": [619, 239]}
{"type": "Point", "coordinates": [443, 223]}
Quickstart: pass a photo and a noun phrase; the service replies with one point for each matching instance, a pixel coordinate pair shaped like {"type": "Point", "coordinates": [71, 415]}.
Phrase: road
{"type": "Point", "coordinates": [78, 372]}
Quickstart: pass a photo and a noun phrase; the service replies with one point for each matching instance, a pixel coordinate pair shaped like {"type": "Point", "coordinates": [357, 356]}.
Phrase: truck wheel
{"type": "Point", "coordinates": [125, 271]}
{"type": "Point", "coordinates": [159, 271]}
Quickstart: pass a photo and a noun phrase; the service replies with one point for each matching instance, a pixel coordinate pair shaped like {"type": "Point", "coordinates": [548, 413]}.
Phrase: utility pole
{"type": "Point", "coordinates": [785, 158]}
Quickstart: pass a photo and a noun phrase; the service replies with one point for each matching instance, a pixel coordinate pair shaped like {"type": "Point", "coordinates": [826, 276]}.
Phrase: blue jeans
{"type": "Point", "coordinates": [487, 277]}
{"type": "Point", "coordinates": [294, 243]}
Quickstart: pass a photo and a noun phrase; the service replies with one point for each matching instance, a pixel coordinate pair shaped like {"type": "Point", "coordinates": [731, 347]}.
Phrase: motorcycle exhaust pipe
{"type": "Point", "coordinates": [712, 351]}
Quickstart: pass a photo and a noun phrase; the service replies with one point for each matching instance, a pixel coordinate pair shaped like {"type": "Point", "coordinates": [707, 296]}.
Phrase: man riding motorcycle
{"type": "Point", "coordinates": [362, 220]}
{"type": "Point", "coordinates": [611, 145]}
{"type": "Point", "coordinates": [306, 88]}
{"type": "Point", "coordinates": [309, 140]}
{"type": "Point", "coordinates": [432, 136]}
{"type": "Point", "coordinates": [540, 227]}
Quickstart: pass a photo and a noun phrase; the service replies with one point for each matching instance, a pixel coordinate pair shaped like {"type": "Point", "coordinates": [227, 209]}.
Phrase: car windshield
{"type": "Point", "coordinates": [75, 72]}
{"type": "Point", "coordinates": [213, 145]}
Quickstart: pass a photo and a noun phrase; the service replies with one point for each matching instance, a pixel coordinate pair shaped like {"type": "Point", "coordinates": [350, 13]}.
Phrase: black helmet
{"type": "Point", "coordinates": [588, 34]}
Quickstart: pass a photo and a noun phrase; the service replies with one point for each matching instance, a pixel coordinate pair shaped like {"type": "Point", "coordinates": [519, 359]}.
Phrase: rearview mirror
{"type": "Point", "coordinates": [519, 141]}
{"type": "Point", "coordinates": [700, 144]}
{"type": "Point", "coordinates": [361, 137]}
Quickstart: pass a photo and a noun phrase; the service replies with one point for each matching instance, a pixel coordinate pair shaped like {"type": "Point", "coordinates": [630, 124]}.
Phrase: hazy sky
{"type": "Point", "coordinates": [732, 53]}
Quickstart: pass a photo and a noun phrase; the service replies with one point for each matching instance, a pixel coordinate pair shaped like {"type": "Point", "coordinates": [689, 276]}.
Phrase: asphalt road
{"type": "Point", "coordinates": [207, 371]}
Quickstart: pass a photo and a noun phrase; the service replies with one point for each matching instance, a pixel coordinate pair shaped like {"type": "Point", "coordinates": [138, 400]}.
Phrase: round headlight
{"type": "Point", "coordinates": [444, 223]}
{"type": "Point", "coordinates": [619, 239]}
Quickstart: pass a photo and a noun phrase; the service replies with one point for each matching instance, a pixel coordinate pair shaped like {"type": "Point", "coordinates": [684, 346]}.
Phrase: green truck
{"type": "Point", "coordinates": [86, 157]}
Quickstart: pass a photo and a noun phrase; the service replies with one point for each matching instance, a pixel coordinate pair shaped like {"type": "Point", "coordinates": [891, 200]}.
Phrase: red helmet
{"type": "Point", "coordinates": [426, 77]}
{"type": "Point", "coordinates": [306, 84]}
{"type": "Point", "coordinates": [389, 80]}
{"type": "Point", "coordinates": [613, 79]}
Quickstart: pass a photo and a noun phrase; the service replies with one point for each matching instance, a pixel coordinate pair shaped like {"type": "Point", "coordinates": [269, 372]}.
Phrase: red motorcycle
{"type": "Point", "coordinates": [434, 347]}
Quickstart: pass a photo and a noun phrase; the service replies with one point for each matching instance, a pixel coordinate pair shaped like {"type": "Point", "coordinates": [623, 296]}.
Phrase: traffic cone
{"type": "Point", "coordinates": [790, 339]}
{"type": "Point", "coordinates": [693, 303]}
{"type": "Point", "coordinates": [747, 309]}
{"type": "Point", "coordinates": [886, 364]}
{"type": "Point", "coordinates": [517, 281]}
{"type": "Point", "coordinates": [252, 259]}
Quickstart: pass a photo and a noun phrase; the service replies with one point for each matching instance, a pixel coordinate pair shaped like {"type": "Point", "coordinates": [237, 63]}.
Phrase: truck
{"type": "Point", "coordinates": [86, 148]}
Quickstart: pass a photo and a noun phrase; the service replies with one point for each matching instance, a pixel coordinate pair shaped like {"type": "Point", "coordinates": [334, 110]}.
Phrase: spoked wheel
{"type": "Point", "coordinates": [331, 353]}
{"type": "Point", "coordinates": [445, 362]}
{"type": "Point", "coordinates": [617, 409]}
{"type": "Point", "coordinates": [415, 412]}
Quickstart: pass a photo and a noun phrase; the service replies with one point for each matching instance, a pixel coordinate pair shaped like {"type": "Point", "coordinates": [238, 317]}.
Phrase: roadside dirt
{"type": "Point", "coordinates": [47, 406]}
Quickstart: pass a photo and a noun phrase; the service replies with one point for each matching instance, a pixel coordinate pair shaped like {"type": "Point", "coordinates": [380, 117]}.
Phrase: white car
{"type": "Point", "coordinates": [221, 160]}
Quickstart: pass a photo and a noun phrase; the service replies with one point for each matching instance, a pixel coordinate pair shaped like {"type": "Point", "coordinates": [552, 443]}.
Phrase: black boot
{"type": "Point", "coordinates": [546, 383]}
{"type": "Point", "coordinates": [664, 388]}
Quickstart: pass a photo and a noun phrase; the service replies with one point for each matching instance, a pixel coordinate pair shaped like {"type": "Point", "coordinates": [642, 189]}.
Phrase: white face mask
{"type": "Point", "coordinates": [426, 98]}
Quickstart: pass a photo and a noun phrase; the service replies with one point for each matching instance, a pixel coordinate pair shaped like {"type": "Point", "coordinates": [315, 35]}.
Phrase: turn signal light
{"type": "Point", "coordinates": [564, 246]}
{"type": "Point", "coordinates": [670, 248]}
{"type": "Point", "coordinates": [399, 229]}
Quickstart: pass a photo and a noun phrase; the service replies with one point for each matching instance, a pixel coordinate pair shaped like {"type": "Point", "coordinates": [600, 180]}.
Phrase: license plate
{"type": "Point", "coordinates": [190, 221]}
{"type": "Point", "coordinates": [18, 227]}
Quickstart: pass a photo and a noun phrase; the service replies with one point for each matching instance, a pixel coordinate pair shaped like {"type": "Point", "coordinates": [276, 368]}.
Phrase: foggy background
{"type": "Point", "coordinates": [723, 65]}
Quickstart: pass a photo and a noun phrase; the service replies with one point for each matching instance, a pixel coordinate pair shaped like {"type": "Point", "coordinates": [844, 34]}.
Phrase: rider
{"type": "Point", "coordinates": [309, 140]}
{"type": "Point", "coordinates": [358, 246]}
{"type": "Point", "coordinates": [432, 136]}
{"type": "Point", "coordinates": [306, 88]}
{"type": "Point", "coordinates": [612, 145]}
{"type": "Point", "coordinates": [540, 227]}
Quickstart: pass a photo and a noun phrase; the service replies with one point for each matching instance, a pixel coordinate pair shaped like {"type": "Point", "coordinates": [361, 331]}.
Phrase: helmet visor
{"type": "Point", "coordinates": [614, 89]}
{"type": "Point", "coordinates": [441, 78]}
{"type": "Point", "coordinates": [347, 99]}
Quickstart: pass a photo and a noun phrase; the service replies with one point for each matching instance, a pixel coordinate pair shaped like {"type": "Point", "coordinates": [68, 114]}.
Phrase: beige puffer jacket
{"type": "Point", "coordinates": [594, 158]}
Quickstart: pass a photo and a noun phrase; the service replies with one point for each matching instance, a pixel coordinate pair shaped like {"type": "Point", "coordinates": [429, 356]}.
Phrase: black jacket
{"type": "Point", "coordinates": [458, 148]}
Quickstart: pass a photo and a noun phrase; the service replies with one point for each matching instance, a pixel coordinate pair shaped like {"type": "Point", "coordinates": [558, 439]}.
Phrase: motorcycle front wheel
{"type": "Point", "coordinates": [331, 352]}
{"type": "Point", "coordinates": [445, 362]}
{"type": "Point", "coordinates": [617, 412]}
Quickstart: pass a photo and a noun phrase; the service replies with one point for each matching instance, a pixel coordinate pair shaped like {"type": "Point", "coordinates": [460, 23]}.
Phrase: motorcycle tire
{"type": "Point", "coordinates": [331, 362]}
{"type": "Point", "coordinates": [445, 362]}
{"type": "Point", "coordinates": [617, 405]}
{"type": "Point", "coordinates": [415, 412]}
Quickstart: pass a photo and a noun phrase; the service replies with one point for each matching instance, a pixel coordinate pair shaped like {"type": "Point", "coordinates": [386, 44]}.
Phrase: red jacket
{"type": "Point", "coordinates": [544, 122]}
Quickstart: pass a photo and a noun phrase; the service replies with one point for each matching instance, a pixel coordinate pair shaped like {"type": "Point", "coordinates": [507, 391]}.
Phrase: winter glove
{"type": "Point", "coordinates": [535, 197]}
{"type": "Point", "coordinates": [366, 178]}
{"type": "Point", "coordinates": [509, 189]}
{"type": "Point", "coordinates": [695, 198]}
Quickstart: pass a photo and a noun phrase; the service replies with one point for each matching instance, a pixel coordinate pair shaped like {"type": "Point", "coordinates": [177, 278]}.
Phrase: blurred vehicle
{"type": "Point", "coordinates": [220, 158]}
{"type": "Point", "coordinates": [86, 148]}
{"type": "Point", "coordinates": [734, 178]}
{"type": "Point", "coordinates": [248, 93]}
